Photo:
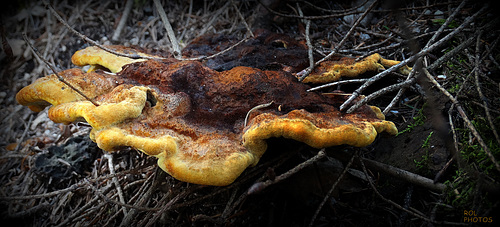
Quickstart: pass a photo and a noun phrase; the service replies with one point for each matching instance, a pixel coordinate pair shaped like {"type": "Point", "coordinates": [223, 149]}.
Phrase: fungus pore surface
{"type": "Point", "coordinates": [192, 116]}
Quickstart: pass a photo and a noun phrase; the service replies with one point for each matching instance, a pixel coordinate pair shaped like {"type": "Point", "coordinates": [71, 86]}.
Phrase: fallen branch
{"type": "Point", "coordinates": [468, 123]}
{"type": "Point", "coordinates": [407, 210]}
{"type": "Point", "coordinates": [396, 172]}
{"type": "Point", "coordinates": [259, 186]}
{"type": "Point", "coordinates": [431, 40]}
{"type": "Point", "coordinates": [400, 92]}
{"type": "Point", "coordinates": [381, 92]}
{"type": "Point", "coordinates": [423, 52]}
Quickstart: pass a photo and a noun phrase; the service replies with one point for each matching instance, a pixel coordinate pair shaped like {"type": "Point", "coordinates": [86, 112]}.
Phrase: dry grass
{"type": "Point", "coordinates": [127, 188]}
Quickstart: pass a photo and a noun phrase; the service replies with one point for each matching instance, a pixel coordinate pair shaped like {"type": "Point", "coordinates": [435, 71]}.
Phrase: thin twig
{"type": "Point", "coordinates": [367, 47]}
{"type": "Point", "coordinates": [145, 197]}
{"type": "Point", "coordinates": [410, 210]}
{"type": "Point", "coordinates": [309, 47]}
{"type": "Point", "coordinates": [343, 13]}
{"type": "Point", "coordinates": [452, 53]}
{"type": "Point", "coordinates": [445, 24]}
{"type": "Point", "coordinates": [308, 41]}
{"type": "Point", "coordinates": [168, 206]}
{"type": "Point", "coordinates": [444, 168]}
{"type": "Point", "coordinates": [229, 208]}
{"type": "Point", "coordinates": [55, 71]}
{"type": "Point", "coordinates": [337, 11]}
{"type": "Point", "coordinates": [398, 42]}
{"type": "Point", "coordinates": [380, 50]}
{"type": "Point", "coordinates": [304, 73]}
{"type": "Point", "coordinates": [383, 198]}
{"type": "Point", "coordinates": [327, 196]}
{"type": "Point", "coordinates": [136, 56]}
{"type": "Point", "coordinates": [259, 186]}
{"type": "Point", "coordinates": [25, 132]}
{"type": "Point", "coordinates": [431, 40]}
{"type": "Point", "coordinates": [249, 30]}
{"type": "Point", "coordinates": [217, 54]}
{"type": "Point", "coordinates": [73, 187]}
{"type": "Point", "coordinates": [254, 109]}
{"type": "Point", "coordinates": [404, 175]}
{"type": "Point", "coordinates": [390, 201]}
{"type": "Point", "coordinates": [44, 195]}
{"type": "Point", "coordinates": [480, 92]}
{"type": "Point", "coordinates": [383, 91]}
{"type": "Point", "coordinates": [455, 155]}
{"type": "Point", "coordinates": [31, 211]}
{"type": "Point", "coordinates": [337, 83]}
{"type": "Point", "coordinates": [109, 200]}
{"type": "Point", "coordinates": [89, 40]}
{"type": "Point", "coordinates": [214, 17]}
{"type": "Point", "coordinates": [188, 19]}
{"type": "Point", "coordinates": [123, 20]}
{"type": "Point", "coordinates": [169, 29]}
{"type": "Point", "coordinates": [83, 209]}
{"type": "Point", "coordinates": [483, 106]}
{"type": "Point", "coordinates": [400, 92]}
{"type": "Point", "coordinates": [49, 35]}
{"type": "Point", "coordinates": [111, 168]}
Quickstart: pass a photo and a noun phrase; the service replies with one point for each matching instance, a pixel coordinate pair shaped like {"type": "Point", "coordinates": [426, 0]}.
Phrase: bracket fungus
{"type": "Point", "coordinates": [334, 70]}
{"type": "Point", "coordinates": [192, 117]}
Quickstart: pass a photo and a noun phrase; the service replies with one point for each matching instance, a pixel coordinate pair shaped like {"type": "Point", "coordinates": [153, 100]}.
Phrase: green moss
{"type": "Point", "coordinates": [473, 153]}
{"type": "Point", "coordinates": [452, 24]}
{"type": "Point", "coordinates": [424, 162]}
{"type": "Point", "coordinates": [459, 190]}
{"type": "Point", "coordinates": [462, 187]}
{"type": "Point", "coordinates": [418, 120]}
